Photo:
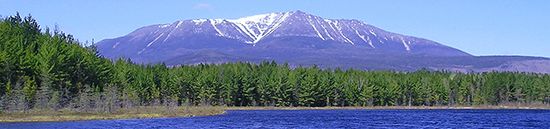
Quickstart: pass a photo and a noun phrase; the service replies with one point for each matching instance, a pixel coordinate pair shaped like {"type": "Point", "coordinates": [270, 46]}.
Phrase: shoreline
{"type": "Point", "coordinates": [194, 111]}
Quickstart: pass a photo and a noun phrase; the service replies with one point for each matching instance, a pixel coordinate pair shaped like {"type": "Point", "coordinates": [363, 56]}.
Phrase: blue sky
{"type": "Point", "coordinates": [479, 27]}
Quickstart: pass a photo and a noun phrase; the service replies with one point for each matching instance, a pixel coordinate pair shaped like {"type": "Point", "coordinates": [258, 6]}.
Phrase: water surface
{"type": "Point", "coordinates": [316, 119]}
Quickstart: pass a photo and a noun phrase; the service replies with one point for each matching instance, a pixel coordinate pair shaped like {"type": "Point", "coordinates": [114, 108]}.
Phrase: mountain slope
{"type": "Point", "coordinates": [295, 37]}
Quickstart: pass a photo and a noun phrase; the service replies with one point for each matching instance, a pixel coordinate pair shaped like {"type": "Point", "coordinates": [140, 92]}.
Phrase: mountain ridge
{"type": "Point", "coordinates": [283, 37]}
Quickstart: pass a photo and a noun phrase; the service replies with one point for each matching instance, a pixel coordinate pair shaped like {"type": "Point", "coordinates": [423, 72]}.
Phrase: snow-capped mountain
{"type": "Point", "coordinates": [295, 37]}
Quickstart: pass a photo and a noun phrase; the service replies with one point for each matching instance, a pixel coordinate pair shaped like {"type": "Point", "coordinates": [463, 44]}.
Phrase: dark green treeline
{"type": "Point", "coordinates": [51, 70]}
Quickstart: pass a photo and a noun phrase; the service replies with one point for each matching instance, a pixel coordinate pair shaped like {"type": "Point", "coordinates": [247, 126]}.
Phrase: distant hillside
{"type": "Point", "coordinates": [300, 38]}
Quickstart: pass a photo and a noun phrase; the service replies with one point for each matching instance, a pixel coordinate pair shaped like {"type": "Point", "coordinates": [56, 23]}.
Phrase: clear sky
{"type": "Point", "coordinates": [479, 27]}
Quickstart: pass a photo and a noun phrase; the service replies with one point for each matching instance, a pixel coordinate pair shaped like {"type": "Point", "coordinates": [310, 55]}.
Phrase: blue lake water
{"type": "Point", "coordinates": [317, 119]}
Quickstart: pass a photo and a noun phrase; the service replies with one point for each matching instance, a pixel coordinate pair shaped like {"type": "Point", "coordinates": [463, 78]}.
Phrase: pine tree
{"type": "Point", "coordinates": [44, 95]}
{"type": "Point", "coordinates": [16, 101]}
{"type": "Point", "coordinates": [111, 99]}
{"type": "Point", "coordinates": [85, 99]}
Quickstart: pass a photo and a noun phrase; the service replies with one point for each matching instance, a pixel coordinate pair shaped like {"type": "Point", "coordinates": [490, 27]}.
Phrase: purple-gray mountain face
{"type": "Point", "coordinates": [299, 39]}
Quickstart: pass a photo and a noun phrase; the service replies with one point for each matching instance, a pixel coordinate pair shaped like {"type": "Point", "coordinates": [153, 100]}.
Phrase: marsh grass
{"type": "Point", "coordinates": [128, 113]}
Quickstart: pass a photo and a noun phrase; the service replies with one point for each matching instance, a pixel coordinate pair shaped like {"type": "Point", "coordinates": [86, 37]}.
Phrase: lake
{"type": "Point", "coordinates": [316, 119]}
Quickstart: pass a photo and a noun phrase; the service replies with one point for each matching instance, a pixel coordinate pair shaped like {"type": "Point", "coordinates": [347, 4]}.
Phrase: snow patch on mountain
{"type": "Point", "coordinates": [179, 24]}
{"type": "Point", "coordinates": [315, 28]}
{"type": "Point", "coordinates": [150, 43]}
{"type": "Point", "coordinates": [164, 26]}
{"type": "Point", "coordinates": [407, 47]}
{"type": "Point", "coordinates": [214, 23]}
{"type": "Point", "coordinates": [259, 26]}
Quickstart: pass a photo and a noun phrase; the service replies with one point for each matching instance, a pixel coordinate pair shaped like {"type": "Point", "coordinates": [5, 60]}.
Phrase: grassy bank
{"type": "Point", "coordinates": [138, 112]}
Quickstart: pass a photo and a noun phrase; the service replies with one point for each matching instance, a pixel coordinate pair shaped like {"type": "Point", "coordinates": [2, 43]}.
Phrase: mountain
{"type": "Point", "coordinates": [300, 38]}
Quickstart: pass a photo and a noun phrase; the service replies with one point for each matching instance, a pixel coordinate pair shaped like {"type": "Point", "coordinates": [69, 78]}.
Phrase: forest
{"type": "Point", "coordinates": [48, 69]}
